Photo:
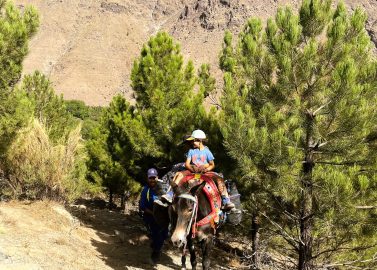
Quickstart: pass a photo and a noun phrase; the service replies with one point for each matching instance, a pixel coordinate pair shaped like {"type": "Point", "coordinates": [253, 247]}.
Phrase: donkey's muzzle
{"type": "Point", "coordinates": [179, 238]}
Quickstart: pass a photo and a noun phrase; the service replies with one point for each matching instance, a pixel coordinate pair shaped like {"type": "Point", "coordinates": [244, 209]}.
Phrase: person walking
{"type": "Point", "coordinates": [157, 234]}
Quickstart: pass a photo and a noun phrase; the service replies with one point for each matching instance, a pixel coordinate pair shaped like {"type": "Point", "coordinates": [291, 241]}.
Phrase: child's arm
{"type": "Point", "coordinates": [210, 167]}
{"type": "Point", "coordinates": [189, 166]}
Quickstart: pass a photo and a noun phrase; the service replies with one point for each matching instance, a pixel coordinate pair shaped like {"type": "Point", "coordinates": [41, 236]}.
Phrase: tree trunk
{"type": "Point", "coordinates": [255, 241]}
{"type": "Point", "coordinates": [122, 201]}
{"type": "Point", "coordinates": [306, 226]}
{"type": "Point", "coordinates": [110, 199]}
{"type": "Point", "coordinates": [306, 207]}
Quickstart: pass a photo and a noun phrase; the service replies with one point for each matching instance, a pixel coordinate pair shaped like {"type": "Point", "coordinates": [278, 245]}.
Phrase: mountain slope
{"type": "Point", "coordinates": [87, 47]}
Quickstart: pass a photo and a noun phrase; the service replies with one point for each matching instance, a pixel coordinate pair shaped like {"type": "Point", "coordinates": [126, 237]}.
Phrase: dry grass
{"type": "Point", "coordinates": [41, 169]}
{"type": "Point", "coordinates": [61, 241]}
{"type": "Point", "coordinates": [2, 229]}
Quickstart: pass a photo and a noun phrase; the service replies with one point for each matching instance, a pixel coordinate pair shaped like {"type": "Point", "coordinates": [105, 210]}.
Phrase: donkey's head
{"type": "Point", "coordinates": [185, 207]}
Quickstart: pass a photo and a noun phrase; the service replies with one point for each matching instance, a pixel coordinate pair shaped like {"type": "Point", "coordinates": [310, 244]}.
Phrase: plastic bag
{"type": "Point", "coordinates": [234, 217]}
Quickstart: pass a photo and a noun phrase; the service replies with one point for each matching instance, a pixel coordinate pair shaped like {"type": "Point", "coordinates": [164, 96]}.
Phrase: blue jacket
{"type": "Point", "coordinates": [148, 196]}
{"type": "Point", "coordinates": [158, 235]}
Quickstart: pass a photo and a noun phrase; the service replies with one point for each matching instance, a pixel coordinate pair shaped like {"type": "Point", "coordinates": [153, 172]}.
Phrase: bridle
{"type": "Point", "coordinates": [194, 210]}
{"type": "Point", "coordinates": [194, 214]}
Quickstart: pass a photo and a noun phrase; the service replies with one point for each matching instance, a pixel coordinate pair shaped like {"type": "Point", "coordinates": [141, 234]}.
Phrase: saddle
{"type": "Point", "coordinates": [212, 193]}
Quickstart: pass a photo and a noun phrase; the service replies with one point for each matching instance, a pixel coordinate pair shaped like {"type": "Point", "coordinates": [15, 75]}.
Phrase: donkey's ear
{"type": "Point", "coordinates": [195, 190]}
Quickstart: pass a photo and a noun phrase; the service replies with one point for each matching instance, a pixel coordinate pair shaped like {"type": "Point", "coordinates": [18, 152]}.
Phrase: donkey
{"type": "Point", "coordinates": [193, 217]}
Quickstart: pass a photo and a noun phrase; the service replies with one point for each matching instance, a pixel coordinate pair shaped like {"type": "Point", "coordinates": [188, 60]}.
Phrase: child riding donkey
{"type": "Point", "coordinates": [199, 160]}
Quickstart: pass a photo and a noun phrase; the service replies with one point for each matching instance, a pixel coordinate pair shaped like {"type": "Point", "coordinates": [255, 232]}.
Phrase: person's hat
{"type": "Point", "coordinates": [152, 172]}
{"type": "Point", "coordinates": [197, 134]}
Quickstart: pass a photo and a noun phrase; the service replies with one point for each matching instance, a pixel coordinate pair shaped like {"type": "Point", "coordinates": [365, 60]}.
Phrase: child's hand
{"type": "Point", "coordinates": [194, 169]}
{"type": "Point", "coordinates": [202, 169]}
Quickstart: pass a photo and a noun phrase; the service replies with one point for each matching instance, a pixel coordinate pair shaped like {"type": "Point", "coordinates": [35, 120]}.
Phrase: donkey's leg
{"type": "Point", "coordinates": [191, 248]}
{"type": "Point", "coordinates": [207, 245]}
{"type": "Point", "coordinates": [183, 261]}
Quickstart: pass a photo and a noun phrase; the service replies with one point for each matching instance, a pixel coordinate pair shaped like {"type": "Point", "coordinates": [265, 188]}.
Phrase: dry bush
{"type": "Point", "coordinates": [38, 168]}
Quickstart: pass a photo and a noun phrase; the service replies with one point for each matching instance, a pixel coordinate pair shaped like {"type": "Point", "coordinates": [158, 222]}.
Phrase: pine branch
{"type": "Point", "coordinates": [290, 216]}
{"type": "Point", "coordinates": [214, 102]}
{"type": "Point", "coordinates": [346, 163]}
{"type": "Point", "coordinates": [335, 248]}
{"type": "Point", "coordinates": [293, 242]}
{"type": "Point", "coordinates": [365, 207]}
{"type": "Point", "coordinates": [352, 263]}
{"type": "Point", "coordinates": [320, 108]}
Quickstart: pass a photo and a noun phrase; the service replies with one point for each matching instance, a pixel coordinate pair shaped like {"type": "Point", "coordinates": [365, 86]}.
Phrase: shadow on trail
{"type": "Point", "coordinates": [123, 242]}
{"type": "Point", "coordinates": [122, 238]}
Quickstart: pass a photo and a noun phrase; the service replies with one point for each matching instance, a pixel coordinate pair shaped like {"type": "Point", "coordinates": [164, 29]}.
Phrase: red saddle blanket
{"type": "Point", "coordinates": [212, 193]}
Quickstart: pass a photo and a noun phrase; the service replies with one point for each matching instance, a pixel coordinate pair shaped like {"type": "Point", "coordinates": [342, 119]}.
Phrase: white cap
{"type": "Point", "coordinates": [197, 134]}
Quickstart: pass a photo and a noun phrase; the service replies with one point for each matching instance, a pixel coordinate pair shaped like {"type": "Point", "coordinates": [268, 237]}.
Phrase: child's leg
{"type": "Point", "coordinates": [177, 179]}
{"type": "Point", "coordinates": [173, 185]}
{"type": "Point", "coordinates": [224, 193]}
{"type": "Point", "coordinates": [221, 186]}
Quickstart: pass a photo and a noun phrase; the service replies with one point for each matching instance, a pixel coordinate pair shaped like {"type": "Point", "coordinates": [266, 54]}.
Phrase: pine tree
{"type": "Point", "coordinates": [117, 147]}
{"type": "Point", "coordinates": [90, 116]}
{"type": "Point", "coordinates": [146, 134]}
{"type": "Point", "coordinates": [165, 96]}
{"type": "Point", "coordinates": [298, 114]}
{"type": "Point", "coordinates": [129, 141]}
{"type": "Point", "coordinates": [16, 29]}
{"type": "Point", "coordinates": [49, 108]}
{"type": "Point", "coordinates": [103, 170]}
{"type": "Point", "coordinates": [206, 82]}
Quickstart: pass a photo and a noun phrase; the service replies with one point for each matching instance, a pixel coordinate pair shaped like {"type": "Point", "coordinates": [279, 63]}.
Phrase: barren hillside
{"type": "Point", "coordinates": [87, 47]}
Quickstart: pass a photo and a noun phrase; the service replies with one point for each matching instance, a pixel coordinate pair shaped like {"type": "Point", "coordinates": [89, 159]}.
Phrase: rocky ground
{"type": "Point", "coordinates": [87, 47]}
{"type": "Point", "coordinates": [46, 235]}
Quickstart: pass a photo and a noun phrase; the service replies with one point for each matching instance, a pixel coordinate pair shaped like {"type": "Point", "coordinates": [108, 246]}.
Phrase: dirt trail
{"type": "Point", "coordinates": [44, 235]}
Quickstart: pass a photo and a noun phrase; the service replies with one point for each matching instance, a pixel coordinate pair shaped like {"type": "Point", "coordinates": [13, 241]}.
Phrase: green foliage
{"type": "Point", "coordinates": [90, 116]}
{"type": "Point", "coordinates": [205, 80]}
{"type": "Point", "coordinates": [38, 160]}
{"type": "Point", "coordinates": [15, 31]}
{"type": "Point", "coordinates": [16, 110]}
{"type": "Point", "coordinates": [298, 107]}
{"type": "Point", "coordinates": [42, 160]}
{"type": "Point", "coordinates": [15, 107]}
{"type": "Point", "coordinates": [111, 162]}
{"type": "Point", "coordinates": [129, 141]}
{"type": "Point", "coordinates": [78, 109]}
{"type": "Point", "coordinates": [48, 107]}
{"type": "Point", "coordinates": [166, 101]}
{"type": "Point", "coordinates": [227, 62]}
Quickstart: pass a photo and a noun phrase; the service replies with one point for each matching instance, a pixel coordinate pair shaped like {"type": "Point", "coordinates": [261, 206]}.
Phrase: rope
{"type": "Point", "coordinates": [196, 215]}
